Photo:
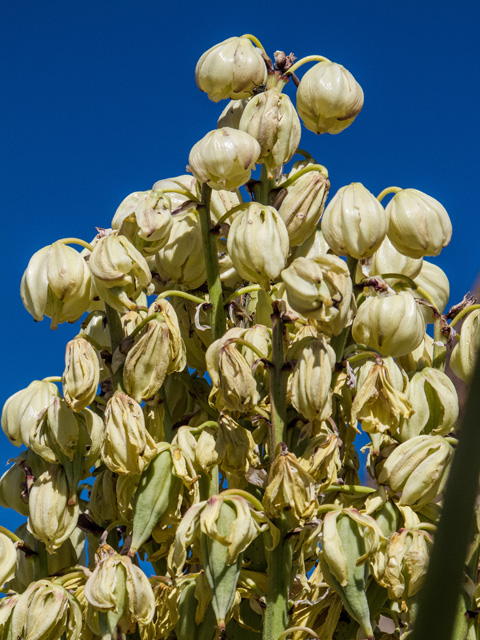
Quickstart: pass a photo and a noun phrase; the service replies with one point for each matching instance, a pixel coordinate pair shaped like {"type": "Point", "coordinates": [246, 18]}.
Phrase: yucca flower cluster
{"type": "Point", "coordinates": [237, 334]}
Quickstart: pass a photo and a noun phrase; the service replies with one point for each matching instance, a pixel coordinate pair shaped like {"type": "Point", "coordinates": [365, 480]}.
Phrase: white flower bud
{"type": "Point", "coordinates": [354, 223]}
{"type": "Point", "coordinates": [392, 324]}
{"type": "Point", "coordinates": [253, 230]}
{"type": "Point", "coordinates": [224, 158]}
{"type": "Point", "coordinates": [56, 284]}
{"type": "Point", "coordinates": [435, 282]}
{"type": "Point", "coordinates": [271, 119]}
{"type": "Point", "coordinates": [387, 259]}
{"type": "Point", "coordinates": [81, 375]}
{"type": "Point", "coordinates": [418, 225]}
{"type": "Point", "coordinates": [233, 68]}
{"type": "Point", "coordinates": [464, 355]}
{"type": "Point", "coordinates": [328, 98]}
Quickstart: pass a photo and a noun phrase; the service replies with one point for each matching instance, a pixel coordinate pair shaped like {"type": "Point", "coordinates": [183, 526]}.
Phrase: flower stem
{"type": "Point", "coordinates": [255, 40]}
{"type": "Point", "coordinates": [302, 172]}
{"type": "Point", "coordinates": [278, 380]}
{"type": "Point", "coordinates": [181, 294]}
{"type": "Point", "coordinates": [217, 314]}
{"type": "Point", "coordinates": [242, 291]}
{"type": "Point", "coordinates": [52, 379]}
{"type": "Point", "coordinates": [386, 191]}
{"type": "Point", "coordinates": [304, 61]}
{"type": "Point", "coordinates": [81, 243]}
{"type": "Point", "coordinates": [463, 313]}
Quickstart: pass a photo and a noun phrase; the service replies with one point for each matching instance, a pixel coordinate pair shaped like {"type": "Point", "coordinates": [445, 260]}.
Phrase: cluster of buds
{"type": "Point", "coordinates": [234, 343]}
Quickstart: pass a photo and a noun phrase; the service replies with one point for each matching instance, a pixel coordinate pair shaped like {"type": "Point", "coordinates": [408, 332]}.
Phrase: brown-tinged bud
{"type": "Point", "coordinates": [224, 158]}
{"type": "Point", "coordinates": [418, 468]}
{"type": "Point", "coordinates": [120, 271]}
{"type": "Point", "coordinates": [328, 98]}
{"type": "Point", "coordinates": [145, 218]}
{"type": "Point", "coordinates": [271, 119]}
{"type": "Point", "coordinates": [309, 385]}
{"type": "Point", "coordinates": [418, 225]}
{"type": "Point", "coordinates": [354, 223]}
{"type": "Point", "coordinates": [46, 611]}
{"type": "Point", "coordinates": [380, 402]}
{"type": "Point", "coordinates": [8, 559]}
{"type": "Point", "coordinates": [56, 284]}
{"type": "Point", "coordinates": [254, 228]}
{"type": "Point", "coordinates": [435, 403]}
{"type": "Point", "coordinates": [320, 289]}
{"type": "Point", "coordinates": [391, 324]}
{"type": "Point", "coordinates": [52, 517]}
{"type": "Point", "coordinates": [433, 281]}
{"type": "Point", "coordinates": [233, 69]}
{"type": "Point", "coordinates": [321, 458]}
{"type": "Point", "coordinates": [121, 589]}
{"type": "Point", "coordinates": [235, 446]}
{"type": "Point", "coordinates": [7, 605]}
{"type": "Point", "coordinates": [233, 385]}
{"type": "Point", "coordinates": [182, 259]}
{"type": "Point", "coordinates": [407, 563]}
{"type": "Point", "coordinates": [464, 355]}
{"type": "Point", "coordinates": [166, 610]}
{"type": "Point", "coordinates": [81, 375]}
{"type": "Point", "coordinates": [349, 539]}
{"type": "Point", "coordinates": [126, 448]}
{"type": "Point", "coordinates": [195, 338]}
{"type": "Point", "coordinates": [21, 411]}
{"type": "Point", "coordinates": [303, 204]}
{"type": "Point", "coordinates": [290, 488]}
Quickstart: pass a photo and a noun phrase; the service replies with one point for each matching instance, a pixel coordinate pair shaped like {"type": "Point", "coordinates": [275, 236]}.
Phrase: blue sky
{"type": "Point", "coordinates": [99, 100]}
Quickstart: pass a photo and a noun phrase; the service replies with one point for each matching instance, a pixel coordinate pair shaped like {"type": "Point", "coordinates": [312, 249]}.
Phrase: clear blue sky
{"type": "Point", "coordinates": [99, 100]}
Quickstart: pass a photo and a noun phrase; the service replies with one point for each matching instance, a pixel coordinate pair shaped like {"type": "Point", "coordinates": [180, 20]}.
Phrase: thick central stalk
{"type": "Point", "coordinates": [217, 315]}
{"type": "Point", "coordinates": [278, 380]}
{"type": "Point", "coordinates": [279, 578]}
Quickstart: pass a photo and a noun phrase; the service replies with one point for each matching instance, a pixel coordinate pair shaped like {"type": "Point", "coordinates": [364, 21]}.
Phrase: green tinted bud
{"type": "Point", "coordinates": [435, 282]}
{"type": "Point", "coordinates": [103, 501]}
{"type": "Point", "coordinates": [420, 357]}
{"type": "Point", "coordinates": [379, 402]}
{"type": "Point", "coordinates": [464, 355]}
{"type": "Point", "coordinates": [328, 98]}
{"type": "Point", "coordinates": [271, 119]}
{"type": "Point", "coordinates": [224, 158]}
{"type": "Point", "coordinates": [154, 414]}
{"type": "Point", "coordinates": [126, 449]}
{"type": "Point", "coordinates": [81, 375]}
{"type": "Point", "coordinates": [21, 411]}
{"type": "Point", "coordinates": [303, 204]}
{"type": "Point", "coordinates": [391, 324]}
{"type": "Point", "coordinates": [418, 468]}
{"type": "Point", "coordinates": [52, 517]}
{"type": "Point", "coordinates": [6, 608]}
{"type": "Point", "coordinates": [435, 404]}
{"type": "Point", "coordinates": [182, 260]}
{"type": "Point", "coordinates": [349, 538]}
{"type": "Point", "coordinates": [57, 284]}
{"type": "Point", "coordinates": [157, 498]}
{"type": "Point", "coordinates": [97, 329]}
{"type": "Point", "coordinates": [145, 218]}
{"type": "Point", "coordinates": [196, 341]}
{"type": "Point", "coordinates": [13, 494]}
{"type": "Point", "coordinates": [309, 385]}
{"type": "Point", "coordinates": [46, 611]}
{"type": "Point", "coordinates": [256, 227]}
{"type": "Point", "coordinates": [120, 271]}
{"type": "Point", "coordinates": [147, 361]}
{"type": "Point", "coordinates": [320, 289]}
{"type": "Point", "coordinates": [233, 68]}
{"type": "Point", "coordinates": [235, 446]}
{"type": "Point", "coordinates": [418, 225]}
{"type": "Point", "coordinates": [354, 223]}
